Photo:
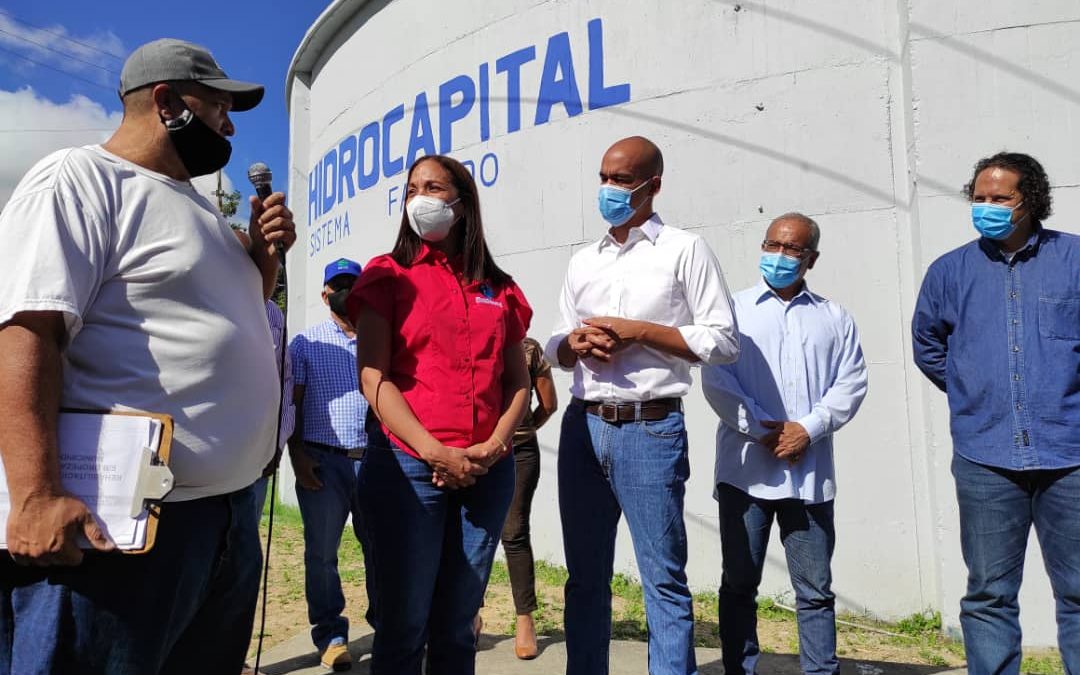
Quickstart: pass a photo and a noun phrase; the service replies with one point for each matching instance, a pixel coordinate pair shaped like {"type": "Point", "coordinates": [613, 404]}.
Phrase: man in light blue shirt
{"type": "Point", "coordinates": [799, 378]}
{"type": "Point", "coordinates": [325, 450]}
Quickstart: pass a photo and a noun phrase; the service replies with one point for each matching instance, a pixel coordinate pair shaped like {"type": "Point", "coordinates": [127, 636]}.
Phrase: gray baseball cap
{"type": "Point", "coordinates": [168, 59]}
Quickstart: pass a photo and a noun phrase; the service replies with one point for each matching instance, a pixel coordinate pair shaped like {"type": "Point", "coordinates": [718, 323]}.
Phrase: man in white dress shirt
{"type": "Point", "coordinates": [638, 308]}
{"type": "Point", "coordinates": [800, 378]}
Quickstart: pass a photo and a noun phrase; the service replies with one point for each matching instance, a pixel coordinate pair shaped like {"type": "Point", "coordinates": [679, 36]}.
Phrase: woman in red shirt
{"type": "Point", "coordinates": [441, 363]}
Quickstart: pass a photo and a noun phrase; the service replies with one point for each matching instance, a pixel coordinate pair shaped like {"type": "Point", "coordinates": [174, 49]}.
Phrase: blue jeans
{"type": "Point", "coordinates": [997, 509]}
{"type": "Point", "coordinates": [324, 513]}
{"type": "Point", "coordinates": [430, 553]}
{"type": "Point", "coordinates": [808, 535]}
{"type": "Point", "coordinates": [640, 469]}
{"type": "Point", "coordinates": [260, 488]}
{"type": "Point", "coordinates": [187, 606]}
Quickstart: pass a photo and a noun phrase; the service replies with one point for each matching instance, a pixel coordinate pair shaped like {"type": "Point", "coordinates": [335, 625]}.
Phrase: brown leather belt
{"type": "Point", "coordinates": [648, 411]}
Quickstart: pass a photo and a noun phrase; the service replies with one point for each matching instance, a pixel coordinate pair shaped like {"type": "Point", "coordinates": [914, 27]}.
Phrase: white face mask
{"type": "Point", "coordinates": [431, 217]}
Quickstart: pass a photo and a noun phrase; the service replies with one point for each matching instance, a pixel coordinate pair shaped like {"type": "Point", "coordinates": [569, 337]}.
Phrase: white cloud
{"type": "Point", "coordinates": [97, 57]}
{"type": "Point", "coordinates": [32, 126]}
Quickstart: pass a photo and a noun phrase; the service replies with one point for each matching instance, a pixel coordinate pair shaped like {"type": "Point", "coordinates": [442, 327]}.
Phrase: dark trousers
{"type": "Point", "coordinates": [809, 537]}
{"type": "Point", "coordinates": [515, 534]}
{"type": "Point", "coordinates": [187, 606]}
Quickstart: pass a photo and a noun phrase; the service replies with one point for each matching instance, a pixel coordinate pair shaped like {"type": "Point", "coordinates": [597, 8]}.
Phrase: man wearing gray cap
{"type": "Point", "coordinates": [125, 289]}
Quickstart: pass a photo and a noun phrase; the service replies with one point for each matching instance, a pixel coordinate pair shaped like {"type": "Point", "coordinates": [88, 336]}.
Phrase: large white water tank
{"type": "Point", "coordinates": [866, 115]}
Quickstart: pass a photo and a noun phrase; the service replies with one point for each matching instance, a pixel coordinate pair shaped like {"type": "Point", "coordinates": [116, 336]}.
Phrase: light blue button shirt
{"type": "Point", "coordinates": [801, 361]}
{"type": "Point", "coordinates": [324, 361]}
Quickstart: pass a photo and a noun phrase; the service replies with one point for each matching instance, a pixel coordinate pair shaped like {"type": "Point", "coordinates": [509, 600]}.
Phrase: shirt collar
{"type": "Point", "coordinates": [764, 291]}
{"type": "Point", "coordinates": [429, 254]}
{"type": "Point", "coordinates": [339, 330]}
{"type": "Point", "coordinates": [649, 230]}
{"type": "Point", "coordinates": [1029, 249]}
{"type": "Point", "coordinates": [334, 327]}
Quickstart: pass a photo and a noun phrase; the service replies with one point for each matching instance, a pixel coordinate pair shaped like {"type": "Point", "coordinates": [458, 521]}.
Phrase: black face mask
{"type": "Point", "coordinates": [337, 303]}
{"type": "Point", "coordinates": [201, 149]}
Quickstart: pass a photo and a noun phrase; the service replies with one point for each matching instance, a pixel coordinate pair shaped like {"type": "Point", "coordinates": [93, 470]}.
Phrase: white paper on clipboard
{"type": "Point", "coordinates": [103, 459]}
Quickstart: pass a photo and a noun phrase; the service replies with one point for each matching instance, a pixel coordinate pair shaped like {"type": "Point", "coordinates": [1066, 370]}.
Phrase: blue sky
{"type": "Point", "coordinates": [56, 73]}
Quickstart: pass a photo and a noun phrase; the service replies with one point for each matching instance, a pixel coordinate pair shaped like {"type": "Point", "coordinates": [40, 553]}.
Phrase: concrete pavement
{"type": "Point", "coordinates": [496, 657]}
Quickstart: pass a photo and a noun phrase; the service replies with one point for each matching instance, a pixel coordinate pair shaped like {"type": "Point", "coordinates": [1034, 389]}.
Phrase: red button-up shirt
{"type": "Point", "coordinates": [447, 340]}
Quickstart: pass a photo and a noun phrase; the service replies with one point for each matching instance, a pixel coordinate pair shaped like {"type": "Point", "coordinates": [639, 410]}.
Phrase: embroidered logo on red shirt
{"type": "Point", "coordinates": [488, 301]}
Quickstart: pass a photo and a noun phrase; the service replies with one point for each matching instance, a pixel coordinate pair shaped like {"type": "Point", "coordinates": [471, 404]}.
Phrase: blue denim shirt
{"type": "Point", "coordinates": [1002, 339]}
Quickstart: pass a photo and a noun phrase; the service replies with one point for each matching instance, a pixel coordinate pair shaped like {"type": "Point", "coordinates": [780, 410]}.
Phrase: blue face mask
{"type": "Point", "coordinates": [615, 203]}
{"type": "Point", "coordinates": [993, 221]}
{"type": "Point", "coordinates": [779, 270]}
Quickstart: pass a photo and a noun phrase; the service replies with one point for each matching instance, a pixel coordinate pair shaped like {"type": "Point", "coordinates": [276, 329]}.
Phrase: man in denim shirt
{"type": "Point", "coordinates": [997, 327]}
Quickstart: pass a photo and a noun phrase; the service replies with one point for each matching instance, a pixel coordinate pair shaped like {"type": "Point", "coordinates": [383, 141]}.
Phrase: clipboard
{"type": "Point", "coordinates": [155, 479]}
{"type": "Point", "coordinates": [140, 473]}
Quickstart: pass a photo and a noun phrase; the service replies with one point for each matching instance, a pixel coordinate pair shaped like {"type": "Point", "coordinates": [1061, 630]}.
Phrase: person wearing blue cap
{"type": "Point", "coordinates": [325, 449]}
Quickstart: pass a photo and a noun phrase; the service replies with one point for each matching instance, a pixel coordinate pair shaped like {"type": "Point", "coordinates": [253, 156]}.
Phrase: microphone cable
{"type": "Point", "coordinates": [272, 492]}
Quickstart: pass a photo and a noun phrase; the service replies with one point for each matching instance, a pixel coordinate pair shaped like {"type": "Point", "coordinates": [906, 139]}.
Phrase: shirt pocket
{"type": "Point", "coordinates": [487, 326]}
{"type": "Point", "coordinates": [649, 292]}
{"type": "Point", "coordinates": [1059, 318]}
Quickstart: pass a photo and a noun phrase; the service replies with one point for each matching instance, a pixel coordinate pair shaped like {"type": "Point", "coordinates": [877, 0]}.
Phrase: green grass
{"type": "Point", "coordinates": [920, 633]}
{"type": "Point", "coordinates": [550, 575]}
{"type": "Point", "coordinates": [549, 612]}
{"type": "Point", "coordinates": [706, 604]}
{"type": "Point", "coordinates": [350, 554]}
{"type": "Point", "coordinates": [625, 587]}
{"type": "Point", "coordinates": [548, 618]}
{"type": "Point", "coordinates": [768, 609]}
{"type": "Point", "coordinates": [920, 624]}
{"type": "Point", "coordinates": [933, 658]}
{"type": "Point", "coordinates": [499, 573]}
{"type": "Point", "coordinates": [628, 623]}
{"type": "Point", "coordinates": [1042, 664]}
{"type": "Point", "coordinates": [285, 515]}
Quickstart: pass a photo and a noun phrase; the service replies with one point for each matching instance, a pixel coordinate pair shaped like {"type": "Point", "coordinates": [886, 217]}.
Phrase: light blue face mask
{"type": "Point", "coordinates": [615, 203]}
{"type": "Point", "coordinates": [779, 270]}
{"type": "Point", "coordinates": [993, 221]}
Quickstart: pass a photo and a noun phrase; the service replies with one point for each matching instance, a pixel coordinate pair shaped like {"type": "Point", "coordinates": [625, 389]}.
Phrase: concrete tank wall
{"type": "Point", "coordinates": [867, 116]}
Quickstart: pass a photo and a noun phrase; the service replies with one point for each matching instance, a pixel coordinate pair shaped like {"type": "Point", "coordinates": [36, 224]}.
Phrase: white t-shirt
{"type": "Point", "coordinates": [163, 308]}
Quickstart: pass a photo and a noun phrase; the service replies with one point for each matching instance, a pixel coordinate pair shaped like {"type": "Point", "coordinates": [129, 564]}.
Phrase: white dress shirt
{"type": "Point", "coordinates": [801, 361]}
{"type": "Point", "coordinates": [663, 275]}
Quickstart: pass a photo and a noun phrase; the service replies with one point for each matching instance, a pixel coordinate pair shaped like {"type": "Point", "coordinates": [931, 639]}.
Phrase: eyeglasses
{"type": "Point", "coordinates": [770, 246]}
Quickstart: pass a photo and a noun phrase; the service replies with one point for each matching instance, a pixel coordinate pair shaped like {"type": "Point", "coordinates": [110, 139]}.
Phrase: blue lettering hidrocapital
{"type": "Point", "coordinates": [385, 147]}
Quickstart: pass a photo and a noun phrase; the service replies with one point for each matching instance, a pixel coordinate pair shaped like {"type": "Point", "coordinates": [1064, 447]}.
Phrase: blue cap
{"type": "Point", "coordinates": [341, 266]}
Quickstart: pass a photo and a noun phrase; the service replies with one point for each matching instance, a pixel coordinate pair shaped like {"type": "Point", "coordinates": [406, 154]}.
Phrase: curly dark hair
{"type": "Point", "coordinates": [1034, 185]}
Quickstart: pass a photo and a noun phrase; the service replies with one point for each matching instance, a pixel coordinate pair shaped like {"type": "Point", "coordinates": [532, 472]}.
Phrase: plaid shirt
{"type": "Point", "coordinates": [288, 410]}
{"type": "Point", "coordinates": [324, 362]}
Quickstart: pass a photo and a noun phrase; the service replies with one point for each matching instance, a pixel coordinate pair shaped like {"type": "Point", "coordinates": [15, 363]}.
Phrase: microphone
{"type": "Point", "coordinates": [260, 176]}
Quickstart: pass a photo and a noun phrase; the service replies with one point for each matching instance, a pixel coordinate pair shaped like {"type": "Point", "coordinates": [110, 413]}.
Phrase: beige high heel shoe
{"type": "Point", "coordinates": [525, 638]}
